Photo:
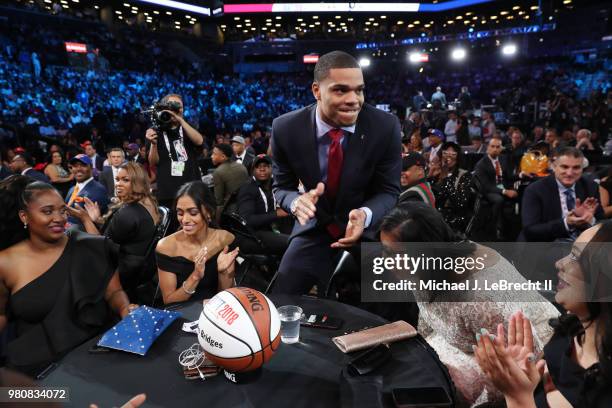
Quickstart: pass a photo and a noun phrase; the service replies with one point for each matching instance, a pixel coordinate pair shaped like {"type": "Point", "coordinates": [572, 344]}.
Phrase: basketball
{"type": "Point", "coordinates": [239, 329]}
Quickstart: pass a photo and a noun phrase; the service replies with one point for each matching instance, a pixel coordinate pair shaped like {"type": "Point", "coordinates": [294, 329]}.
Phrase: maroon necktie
{"type": "Point", "coordinates": [334, 163]}
{"type": "Point", "coordinates": [334, 168]}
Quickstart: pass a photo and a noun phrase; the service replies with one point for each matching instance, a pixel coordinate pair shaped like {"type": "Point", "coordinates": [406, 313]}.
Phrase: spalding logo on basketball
{"type": "Point", "coordinates": [239, 329]}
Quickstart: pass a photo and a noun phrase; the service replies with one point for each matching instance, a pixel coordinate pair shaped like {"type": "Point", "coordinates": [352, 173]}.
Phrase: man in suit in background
{"type": "Point", "coordinates": [560, 206]}
{"type": "Point", "coordinates": [495, 177]}
{"type": "Point", "coordinates": [116, 157]}
{"type": "Point", "coordinates": [22, 164]}
{"type": "Point", "coordinates": [243, 155]}
{"type": "Point", "coordinates": [85, 187]}
{"type": "Point", "coordinates": [257, 206]}
{"type": "Point", "coordinates": [97, 161]}
{"type": "Point", "coordinates": [347, 156]}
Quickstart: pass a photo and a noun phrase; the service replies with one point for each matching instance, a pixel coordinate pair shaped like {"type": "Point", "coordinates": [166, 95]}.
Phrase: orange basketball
{"type": "Point", "coordinates": [239, 329]}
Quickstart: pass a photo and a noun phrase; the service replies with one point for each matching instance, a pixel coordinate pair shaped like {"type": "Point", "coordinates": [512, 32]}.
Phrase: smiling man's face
{"type": "Point", "coordinates": [340, 96]}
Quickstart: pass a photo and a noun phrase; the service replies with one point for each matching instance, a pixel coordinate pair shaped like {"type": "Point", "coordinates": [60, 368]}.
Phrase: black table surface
{"type": "Point", "coordinates": [304, 374]}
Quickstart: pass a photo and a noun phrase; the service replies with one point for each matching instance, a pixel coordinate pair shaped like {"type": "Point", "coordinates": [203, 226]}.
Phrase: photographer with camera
{"type": "Point", "coordinates": [172, 147]}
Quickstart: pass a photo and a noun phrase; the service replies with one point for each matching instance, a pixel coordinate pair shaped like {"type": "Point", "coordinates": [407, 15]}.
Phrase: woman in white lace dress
{"type": "Point", "coordinates": [449, 320]}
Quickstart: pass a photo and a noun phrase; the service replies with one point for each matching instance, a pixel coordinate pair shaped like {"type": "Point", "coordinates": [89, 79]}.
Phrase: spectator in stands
{"type": "Point", "coordinates": [256, 204]}
{"type": "Point", "coordinates": [96, 160]}
{"type": "Point", "coordinates": [465, 99]}
{"type": "Point", "coordinates": [453, 189]}
{"type": "Point", "coordinates": [495, 177]}
{"type": "Point", "coordinates": [116, 158]}
{"type": "Point", "coordinates": [515, 150]}
{"type": "Point", "coordinates": [22, 164]}
{"type": "Point", "coordinates": [85, 186]}
{"type": "Point", "coordinates": [537, 134]}
{"type": "Point", "coordinates": [488, 126]}
{"type": "Point", "coordinates": [583, 141]}
{"type": "Point", "coordinates": [130, 223]}
{"type": "Point", "coordinates": [59, 176]}
{"type": "Point", "coordinates": [242, 154]}
{"type": "Point", "coordinates": [560, 206]}
{"type": "Point", "coordinates": [477, 146]}
{"type": "Point", "coordinates": [414, 122]}
{"type": "Point", "coordinates": [413, 181]}
{"type": "Point", "coordinates": [435, 139]}
{"type": "Point", "coordinates": [174, 153]}
{"type": "Point", "coordinates": [438, 99]}
{"type": "Point", "coordinates": [552, 138]}
{"type": "Point", "coordinates": [416, 143]}
{"type": "Point", "coordinates": [228, 177]}
{"type": "Point", "coordinates": [474, 128]}
{"type": "Point", "coordinates": [418, 101]}
{"type": "Point", "coordinates": [195, 262]}
{"type": "Point", "coordinates": [462, 132]}
{"type": "Point", "coordinates": [450, 129]}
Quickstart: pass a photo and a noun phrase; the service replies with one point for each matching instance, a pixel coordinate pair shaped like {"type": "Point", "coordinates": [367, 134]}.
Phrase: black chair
{"type": "Point", "coordinates": [149, 277]}
{"type": "Point", "coordinates": [253, 252]}
{"type": "Point", "coordinates": [477, 198]}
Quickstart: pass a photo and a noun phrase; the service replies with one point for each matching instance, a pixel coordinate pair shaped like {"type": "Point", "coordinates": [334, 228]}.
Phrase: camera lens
{"type": "Point", "coordinates": [164, 117]}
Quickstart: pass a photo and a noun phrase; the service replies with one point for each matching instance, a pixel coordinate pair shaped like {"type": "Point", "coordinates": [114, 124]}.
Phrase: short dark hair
{"type": "Point", "coordinates": [172, 95]}
{"type": "Point", "coordinates": [226, 149]}
{"type": "Point", "coordinates": [27, 158]}
{"type": "Point", "coordinates": [568, 151]}
{"type": "Point", "coordinates": [333, 60]}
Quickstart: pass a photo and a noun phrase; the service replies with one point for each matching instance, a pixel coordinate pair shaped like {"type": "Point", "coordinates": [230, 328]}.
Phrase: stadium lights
{"type": "Point", "coordinates": [458, 54]}
{"type": "Point", "coordinates": [364, 62]}
{"type": "Point", "coordinates": [509, 49]}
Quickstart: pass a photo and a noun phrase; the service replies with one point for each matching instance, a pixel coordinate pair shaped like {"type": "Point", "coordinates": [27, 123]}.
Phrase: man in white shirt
{"type": "Point", "coordinates": [242, 153]}
{"type": "Point", "coordinates": [450, 130]}
{"type": "Point", "coordinates": [440, 97]}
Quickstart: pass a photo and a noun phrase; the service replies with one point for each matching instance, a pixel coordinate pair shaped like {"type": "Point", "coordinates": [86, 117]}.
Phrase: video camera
{"type": "Point", "coordinates": [161, 120]}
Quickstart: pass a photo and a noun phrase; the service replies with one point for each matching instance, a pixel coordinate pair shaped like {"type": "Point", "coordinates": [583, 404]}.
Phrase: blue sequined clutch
{"type": "Point", "coordinates": [138, 330]}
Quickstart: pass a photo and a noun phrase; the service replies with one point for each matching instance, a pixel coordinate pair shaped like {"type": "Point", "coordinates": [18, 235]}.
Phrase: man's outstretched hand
{"type": "Point", "coordinates": [354, 229]}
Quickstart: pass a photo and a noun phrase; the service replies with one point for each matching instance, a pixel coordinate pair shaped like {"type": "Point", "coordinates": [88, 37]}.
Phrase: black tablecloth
{"type": "Point", "coordinates": [305, 374]}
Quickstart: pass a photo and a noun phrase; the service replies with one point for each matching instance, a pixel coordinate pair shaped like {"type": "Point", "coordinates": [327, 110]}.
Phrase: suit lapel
{"type": "Point", "coordinates": [306, 146]}
{"type": "Point", "coordinates": [556, 211]}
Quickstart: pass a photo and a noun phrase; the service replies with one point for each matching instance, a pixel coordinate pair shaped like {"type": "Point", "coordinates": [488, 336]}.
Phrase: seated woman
{"type": "Point", "coordinates": [56, 288]}
{"type": "Point", "coordinates": [577, 367]}
{"type": "Point", "coordinates": [60, 177]}
{"type": "Point", "coordinates": [448, 320]}
{"type": "Point", "coordinates": [130, 223]}
{"type": "Point", "coordinates": [453, 187]}
{"type": "Point", "coordinates": [195, 262]}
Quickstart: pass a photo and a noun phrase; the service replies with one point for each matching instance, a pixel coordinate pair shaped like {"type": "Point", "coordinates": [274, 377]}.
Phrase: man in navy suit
{"type": "Point", "coordinates": [347, 156]}
{"type": "Point", "coordinates": [22, 164]}
{"type": "Point", "coordinates": [85, 187]}
{"type": "Point", "coordinates": [560, 206]}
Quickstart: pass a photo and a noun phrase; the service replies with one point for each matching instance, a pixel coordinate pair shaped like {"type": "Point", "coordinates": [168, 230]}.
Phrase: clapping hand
{"type": "Point", "coordinates": [226, 261]}
{"type": "Point", "coordinates": [587, 207]}
{"type": "Point", "coordinates": [200, 263]}
{"type": "Point", "coordinates": [92, 209]}
{"type": "Point", "coordinates": [512, 368]}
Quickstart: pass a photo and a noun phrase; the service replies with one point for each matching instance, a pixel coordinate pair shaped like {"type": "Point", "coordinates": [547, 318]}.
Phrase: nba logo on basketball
{"type": "Point", "coordinates": [245, 322]}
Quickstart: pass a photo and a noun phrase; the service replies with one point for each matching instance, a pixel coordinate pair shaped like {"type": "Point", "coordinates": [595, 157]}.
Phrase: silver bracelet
{"type": "Point", "coordinates": [189, 292]}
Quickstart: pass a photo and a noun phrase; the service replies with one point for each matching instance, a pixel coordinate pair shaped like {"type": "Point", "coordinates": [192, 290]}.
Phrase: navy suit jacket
{"type": "Point", "coordinates": [95, 192]}
{"type": "Point", "coordinates": [370, 169]}
{"type": "Point", "coordinates": [485, 173]}
{"type": "Point", "coordinates": [37, 175]}
{"type": "Point", "coordinates": [541, 209]}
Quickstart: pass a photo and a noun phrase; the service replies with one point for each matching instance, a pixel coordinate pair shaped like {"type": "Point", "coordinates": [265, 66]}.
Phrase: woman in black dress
{"type": "Point", "coordinates": [453, 188]}
{"type": "Point", "coordinates": [577, 367]}
{"type": "Point", "coordinates": [56, 288]}
{"type": "Point", "coordinates": [195, 262]}
{"type": "Point", "coordinates": [60, 177]}
{"type": "Point", "coordinates": [131, 223]}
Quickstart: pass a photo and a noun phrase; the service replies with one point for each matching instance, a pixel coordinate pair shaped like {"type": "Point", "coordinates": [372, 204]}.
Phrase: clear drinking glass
{"type": "Point", "coordinates": [290, 323]}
